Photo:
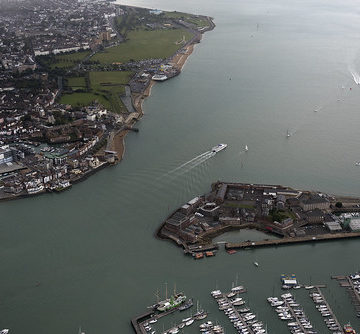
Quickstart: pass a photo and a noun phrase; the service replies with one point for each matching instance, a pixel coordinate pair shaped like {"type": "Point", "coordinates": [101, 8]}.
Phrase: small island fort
{"type": "Point", "coordinates": [291, 215]}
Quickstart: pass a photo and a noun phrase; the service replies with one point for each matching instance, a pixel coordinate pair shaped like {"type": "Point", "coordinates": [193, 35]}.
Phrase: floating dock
{"type": "Point", "coordinates": [346, 282]}
{"type": "Point", "coordinates": [332, 314]}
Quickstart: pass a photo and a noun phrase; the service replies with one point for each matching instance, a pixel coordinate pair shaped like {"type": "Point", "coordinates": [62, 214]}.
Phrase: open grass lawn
{"type": "Point", "coordinates": [109, 80]}
{"type": "Point", "coordinates": [106, 88]}
{"type": "Point", "coordinates": [144, 44]}
{"type": "Point", "coordinates": [81, 99]}
{"type": "Point", "coordinates": [69, 60]}
{"type": "Point", "coordinates": [198, 21]}
{"type": "Point", "coordinates": [76, 82]}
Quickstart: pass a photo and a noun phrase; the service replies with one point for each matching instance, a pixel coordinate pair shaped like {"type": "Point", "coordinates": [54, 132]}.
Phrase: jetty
{"type": "Point", "coordinates": [346, 282]}
{"type": "Point", "coordinates": [243, 320]}
{"type": "Point", "coordinates": [320, 300]}
{"type": "Point", "coordinates": [289, 241]}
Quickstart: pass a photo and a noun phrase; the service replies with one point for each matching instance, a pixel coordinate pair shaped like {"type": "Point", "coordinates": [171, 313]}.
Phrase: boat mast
{"type": "Point", "coordinates": [157, 296]}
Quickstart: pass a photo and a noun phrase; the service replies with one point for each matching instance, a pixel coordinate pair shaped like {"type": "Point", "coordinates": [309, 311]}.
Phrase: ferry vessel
{"type": "Point", "coordinates": [218, 148]}
{"type": "Point", "coordinates": [349, 329]}
{"type": "Point", "coordinates": [159, 77]}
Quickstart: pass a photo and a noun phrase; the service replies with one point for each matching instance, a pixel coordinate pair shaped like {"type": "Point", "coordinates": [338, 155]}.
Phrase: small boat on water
{"type": "Point", "coordinates": [246, 148]}
{"type": "Point", "coordinates": [187, 305]}
{"type": "Point", "coordinates": [153, 321]}
{"type": "Point", "coordinates": [349, 329]}
{"type": "Point", "coordinates": [288, 134]}
{"type": "Point", "coordinates": [308, 287]}
{"type": "Point", "coordinates": [188, 323]}
{"type": "Point", "coordinates": [256, 264]}
{"type": "Point", "coordinates": [357, 163]}
{"type": "Point", "coordinates": [218, 148]}
{"type": "Point", "coordinates": [4, 331]}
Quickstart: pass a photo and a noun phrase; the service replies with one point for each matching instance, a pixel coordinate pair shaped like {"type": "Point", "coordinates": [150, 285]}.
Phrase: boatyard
{"type": "Point", "coordinates": [291, 216]}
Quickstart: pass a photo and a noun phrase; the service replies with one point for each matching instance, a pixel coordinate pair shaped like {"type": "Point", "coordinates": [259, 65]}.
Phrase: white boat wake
{"type": "Point", "coordinates": [355, 75]}
{"type": "Point", "coordinates": [197, 162]}
{"type": "Point", "coordinates": [190, 162]}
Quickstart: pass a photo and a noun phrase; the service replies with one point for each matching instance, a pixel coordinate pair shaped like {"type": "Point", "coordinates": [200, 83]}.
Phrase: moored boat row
{"type": "Point", "coordinates": [244, 321]}
{"type": "Point", "coordinates": [289, 310]}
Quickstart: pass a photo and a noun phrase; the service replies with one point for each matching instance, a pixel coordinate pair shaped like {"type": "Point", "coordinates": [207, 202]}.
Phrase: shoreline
{"type": "Point", "coordinates": [117, 144]}
{"type": "Point", "coordinates": [179, 60]}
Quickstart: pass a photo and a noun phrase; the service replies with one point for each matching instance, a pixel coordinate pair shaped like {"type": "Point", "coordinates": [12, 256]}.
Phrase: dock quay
{"type": "Point", "coordinates": [243, 320]}
{"type": "Point", "coordinates": [348, 282]}
{"type": "Point", "coordinates": [324, 308]}
{"type": "Point", "coordinates": [287, 241]}
{"type": "Point", "coordinates": [139, 322]}
{"type": "Point", "coordinates": [135, 322]}
{"type": "Point", "coordinates": [288, 309]}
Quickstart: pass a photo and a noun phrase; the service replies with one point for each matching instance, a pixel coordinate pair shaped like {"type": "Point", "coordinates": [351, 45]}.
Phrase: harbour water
{"type": "Point", "coordinates": [88, 257]}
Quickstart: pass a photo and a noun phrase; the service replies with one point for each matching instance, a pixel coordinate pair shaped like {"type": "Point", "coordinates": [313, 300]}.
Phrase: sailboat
{"type": "Point", "coordinates": [200, 313]}
{"type": "Point", "coordinates": [246, 148]}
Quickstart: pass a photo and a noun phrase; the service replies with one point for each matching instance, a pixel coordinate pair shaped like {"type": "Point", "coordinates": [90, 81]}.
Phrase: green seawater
{"type": "Point", "coordinates": [88, 257]}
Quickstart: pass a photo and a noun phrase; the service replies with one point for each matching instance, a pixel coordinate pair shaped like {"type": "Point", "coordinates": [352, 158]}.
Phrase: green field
{"type": "Point", "coordinates": [144, 44]}
{"type": "Point", "coordinates": [69, 60]}
{"type": "Point", "coordinates": [81, 99]}
{"type": "Point", "coordinates": [198, 21]}
{"type": "Point", "coordinates": [109, 81]}
{"type": "Point", "coordinates": [76, 82]}
{"type": "Point", "coordinates": [105, 87]}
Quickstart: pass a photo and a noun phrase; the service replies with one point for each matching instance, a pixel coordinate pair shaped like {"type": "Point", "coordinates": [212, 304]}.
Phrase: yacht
{"type": "Point", "coordinates": [4, 331]}
{"type": "Point", "coordinates": [188, 323]}
{"type": "Point", "coordinates": [218, 148]}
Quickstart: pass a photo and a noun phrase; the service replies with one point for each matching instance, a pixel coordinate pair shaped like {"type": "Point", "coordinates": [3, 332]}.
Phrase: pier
{"type": "Point", "coordinates": [288, 241]}
{"type": "Point", "coordinates": [243, 320]}
{"type": "Point", "coordinates": [137, 322]}
{"type": "Point", "coordinates": [239, 315]}
{"type": "Point", "coordinates": [288, 309]}
{"type": "Point", "coordinates": [294, 315]}
{"type": "Point", "coordinates": [346, 282]}
{"type": "Point", "coordinates": [332, 318]}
